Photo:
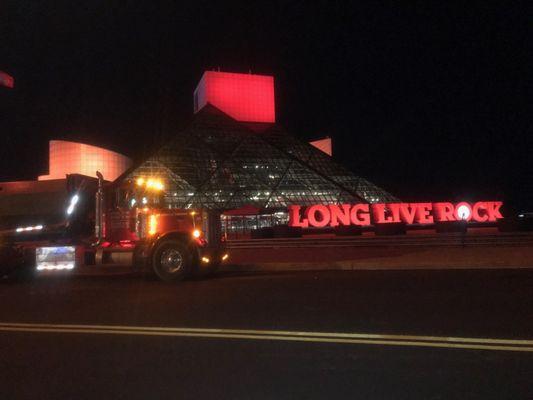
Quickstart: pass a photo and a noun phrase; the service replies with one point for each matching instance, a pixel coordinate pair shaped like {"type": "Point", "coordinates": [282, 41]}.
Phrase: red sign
{"type": "Point", "coordinates": [6, 80]}
{"type": "Point", "coordinates": [363, 214]}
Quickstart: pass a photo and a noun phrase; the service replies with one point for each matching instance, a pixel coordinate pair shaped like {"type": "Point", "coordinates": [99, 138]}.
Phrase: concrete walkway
{"type": "Point", "coordinates": [432, 251]}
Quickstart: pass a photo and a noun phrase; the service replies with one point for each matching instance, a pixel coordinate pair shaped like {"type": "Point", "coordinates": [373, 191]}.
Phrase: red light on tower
{"type": "Point", "coordinates": [7, 80]}
{"type": "Point", "coordinates": [244, 97]}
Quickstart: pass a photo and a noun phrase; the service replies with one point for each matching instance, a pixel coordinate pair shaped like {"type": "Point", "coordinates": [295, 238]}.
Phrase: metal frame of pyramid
{"type": "Point", "coordinates": [219, 163]}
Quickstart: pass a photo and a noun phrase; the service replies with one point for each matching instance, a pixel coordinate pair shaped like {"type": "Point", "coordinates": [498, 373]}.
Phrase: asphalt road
{"type": "Point", "coordinates": [96, 345]}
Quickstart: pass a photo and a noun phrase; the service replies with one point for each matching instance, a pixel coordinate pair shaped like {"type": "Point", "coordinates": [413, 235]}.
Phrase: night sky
{"type": "Point", "coordinates": [431, 102]}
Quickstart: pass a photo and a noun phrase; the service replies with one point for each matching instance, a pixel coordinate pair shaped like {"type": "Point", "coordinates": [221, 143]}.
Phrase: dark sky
{"type": "Point", "coordinates": [429, 101]}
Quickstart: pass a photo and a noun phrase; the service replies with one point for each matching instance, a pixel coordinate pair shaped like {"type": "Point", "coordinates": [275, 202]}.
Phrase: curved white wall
{"type": "Point", "coordinates": [79, 158]}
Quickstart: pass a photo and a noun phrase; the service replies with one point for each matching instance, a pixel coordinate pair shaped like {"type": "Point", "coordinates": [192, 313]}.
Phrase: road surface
{"type": "Point", "coordinates": [309, 335]}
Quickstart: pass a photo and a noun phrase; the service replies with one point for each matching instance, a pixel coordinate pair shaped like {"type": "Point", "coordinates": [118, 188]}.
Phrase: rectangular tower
{"type": "Point", "coordinates": [244, 97]}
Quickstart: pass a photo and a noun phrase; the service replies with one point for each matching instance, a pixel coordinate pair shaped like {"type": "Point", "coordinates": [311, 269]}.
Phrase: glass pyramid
{"type": "Point", "coordinates": [219, 163]}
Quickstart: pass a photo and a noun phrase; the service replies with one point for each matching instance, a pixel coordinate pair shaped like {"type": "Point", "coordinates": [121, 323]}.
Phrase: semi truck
{"type": "Point", "coordinates": [88, 225]}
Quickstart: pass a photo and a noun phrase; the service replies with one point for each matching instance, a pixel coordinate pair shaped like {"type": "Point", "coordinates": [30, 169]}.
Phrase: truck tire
{"type": "Point", "coordinates": [14, 266]}
{"type": "Point", "coordinates": [171, 261]}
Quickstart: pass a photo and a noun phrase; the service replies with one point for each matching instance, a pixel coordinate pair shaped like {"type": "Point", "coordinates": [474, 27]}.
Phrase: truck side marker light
{"type": "Point", "coordinates": [205, 260]}
{"type": "Point", "coordinates": [225, 257]}
{"type": "Point", "coordinates": [58, 267]}
{"type": "Point", "coordinates": [29, 228]}
{"type": "Point", "coordinates": [152, 229]}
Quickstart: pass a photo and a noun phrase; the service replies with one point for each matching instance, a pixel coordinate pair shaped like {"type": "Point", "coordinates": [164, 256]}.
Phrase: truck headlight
{"type": "Point", "coordinates": [73, 201]}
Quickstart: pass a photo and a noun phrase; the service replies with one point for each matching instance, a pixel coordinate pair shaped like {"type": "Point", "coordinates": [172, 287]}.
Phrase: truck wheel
{"type": "Point", "coordinates": [171, 261]}
{"type": "Point", "coordinates": [14, 267]}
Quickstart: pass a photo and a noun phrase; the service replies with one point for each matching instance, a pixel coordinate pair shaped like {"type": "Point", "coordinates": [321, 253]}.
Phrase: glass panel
{"type": "Point", "coordinates": [219, 163]}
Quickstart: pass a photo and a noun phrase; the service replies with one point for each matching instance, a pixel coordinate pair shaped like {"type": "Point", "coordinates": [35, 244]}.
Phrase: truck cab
{"type": "Point", "coordinates": [109, 226]}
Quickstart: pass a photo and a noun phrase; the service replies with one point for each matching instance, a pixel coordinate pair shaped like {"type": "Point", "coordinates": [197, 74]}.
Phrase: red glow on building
{"type": "Point", "coordinates": [7, 80]}
{"type": "Point", "coordinates": [244, 97]}
{"type": "Point", "coordinates": [79, 158]}
{"type": "Point", "coordinates": [323, 145]}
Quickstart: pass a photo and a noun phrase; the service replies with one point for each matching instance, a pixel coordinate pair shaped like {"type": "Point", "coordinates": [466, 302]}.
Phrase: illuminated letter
{"type": "Point", "coordinates": [294, 217]}
{"type": "Point", "coordinates": [493, 210]}
{"type": "Point", "coordinates": [395, 211]}
{"type": "Point", "coordinates": [476, 215]}
{"type": "Point", "coordinates": [311, 215]}
{"type": "Point", "coordinates": [338, 214]}
{"type": "Point", "coordinates": [360, 214]}
{"type": "Point", "coordinates": [443, 212]}
{"type": "Point", "coordinates": [423, 213]}
{"type": "Point", "coordinates": [378, 212]}
{"type": "Point", "coordinates": [408, 212]}
{"type": "Point", "coordinates": [463, 211]}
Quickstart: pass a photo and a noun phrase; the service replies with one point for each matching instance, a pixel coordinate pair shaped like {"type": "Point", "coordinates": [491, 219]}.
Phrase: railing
{"type": "Point", "coordinates": [445, 240]}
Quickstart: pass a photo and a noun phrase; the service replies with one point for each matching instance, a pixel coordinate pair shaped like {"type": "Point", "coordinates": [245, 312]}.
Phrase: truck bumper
{"type": "Point", "coordinates": [212, 255]}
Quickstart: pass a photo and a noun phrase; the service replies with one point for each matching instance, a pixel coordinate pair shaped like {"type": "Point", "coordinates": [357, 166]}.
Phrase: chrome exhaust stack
{"type": "Point", "coordinates": [99, 214]}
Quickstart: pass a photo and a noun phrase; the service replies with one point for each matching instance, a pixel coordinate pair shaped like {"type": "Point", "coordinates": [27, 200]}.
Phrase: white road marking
{"type": "Point", "coordinates": [296, 336]}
